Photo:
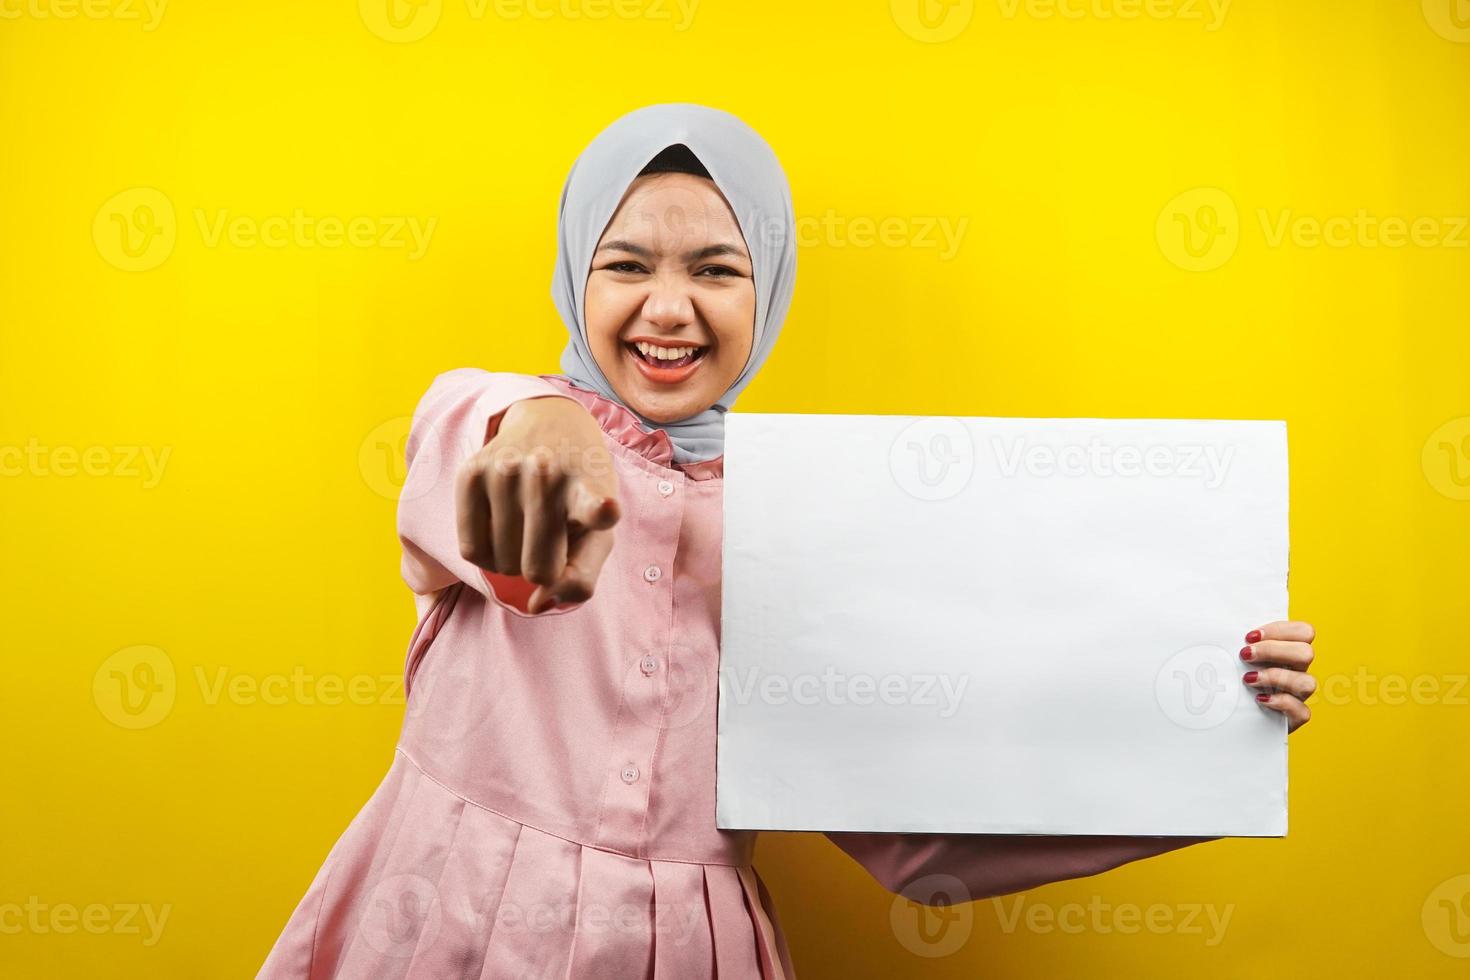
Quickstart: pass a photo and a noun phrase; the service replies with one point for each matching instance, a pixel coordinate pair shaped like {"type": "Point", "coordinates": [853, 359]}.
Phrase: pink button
{"type": "Point", "coordinates": [653, 573]}
{"type": "Point", "coordinates": [648, 664]}
{"type": "Point", "coordinates": [630, 774]}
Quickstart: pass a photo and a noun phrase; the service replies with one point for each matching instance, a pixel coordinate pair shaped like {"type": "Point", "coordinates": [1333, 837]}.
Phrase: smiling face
{"type": "Point", "coordinates": [670, 302]}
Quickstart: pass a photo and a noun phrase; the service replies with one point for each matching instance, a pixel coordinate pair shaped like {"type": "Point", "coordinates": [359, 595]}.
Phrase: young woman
{"type": "Point", "coordinates": [550, 811]}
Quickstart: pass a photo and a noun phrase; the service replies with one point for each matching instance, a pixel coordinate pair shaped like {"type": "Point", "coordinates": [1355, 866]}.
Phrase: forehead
{"type": "Point", "coordinates": [680, 205]}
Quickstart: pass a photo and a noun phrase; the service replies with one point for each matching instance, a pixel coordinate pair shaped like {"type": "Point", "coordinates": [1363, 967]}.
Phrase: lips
{"type": "Point", "coordinates": [665, 369]}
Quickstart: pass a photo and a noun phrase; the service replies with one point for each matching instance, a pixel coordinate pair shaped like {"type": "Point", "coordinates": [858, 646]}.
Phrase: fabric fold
{"type": "Point", "coordinates": [735, 939]}
{"type": "Point", "coordinates": [425, 885]}
{"type": "Point", "coordinates": [682, 938]}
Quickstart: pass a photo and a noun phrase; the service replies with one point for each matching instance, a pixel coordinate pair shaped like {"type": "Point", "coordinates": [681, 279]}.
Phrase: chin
{"type": "Point", "coordinates": [673, 408]}
{"type": "Point", "coordinates": [664, 414]}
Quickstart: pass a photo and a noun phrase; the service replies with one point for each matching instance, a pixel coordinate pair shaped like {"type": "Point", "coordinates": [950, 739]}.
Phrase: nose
{"type": "Point", "coordinates": [669, 305]}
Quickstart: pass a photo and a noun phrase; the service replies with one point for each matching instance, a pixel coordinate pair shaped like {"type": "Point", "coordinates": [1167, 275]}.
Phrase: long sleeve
{"type": "Point", "coordinates": [993, 865]}
{"type": "Point", "coordinates": [453, 421]}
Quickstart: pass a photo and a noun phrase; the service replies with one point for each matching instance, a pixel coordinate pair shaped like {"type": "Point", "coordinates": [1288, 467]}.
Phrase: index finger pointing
{"type": "Point", "coordinates": [585, 559]}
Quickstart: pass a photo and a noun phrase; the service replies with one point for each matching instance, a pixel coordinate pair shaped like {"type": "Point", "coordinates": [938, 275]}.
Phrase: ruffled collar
{"type": "Point", "coordinates": [623, 426]}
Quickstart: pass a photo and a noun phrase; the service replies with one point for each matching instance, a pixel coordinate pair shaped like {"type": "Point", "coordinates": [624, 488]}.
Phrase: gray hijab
{"type": "Point", "coordinates": [746, 171]}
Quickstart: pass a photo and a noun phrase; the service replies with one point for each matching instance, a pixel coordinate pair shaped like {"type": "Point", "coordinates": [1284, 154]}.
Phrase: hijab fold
{"type": "Point", "coordinates": [746, 171]}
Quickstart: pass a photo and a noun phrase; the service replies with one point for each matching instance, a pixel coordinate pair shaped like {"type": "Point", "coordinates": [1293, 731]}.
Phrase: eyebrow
{"type": "Point", "coordinates": [723, 248]}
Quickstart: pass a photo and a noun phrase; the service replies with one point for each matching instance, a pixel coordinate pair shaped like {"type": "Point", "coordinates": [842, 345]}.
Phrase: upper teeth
{"type": "Point", "coordinates": [664, 353]}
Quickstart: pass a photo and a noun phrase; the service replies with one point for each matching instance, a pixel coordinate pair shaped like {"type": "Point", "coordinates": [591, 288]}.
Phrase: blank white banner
{"type": "Point", "coordinates": [1003, 626]}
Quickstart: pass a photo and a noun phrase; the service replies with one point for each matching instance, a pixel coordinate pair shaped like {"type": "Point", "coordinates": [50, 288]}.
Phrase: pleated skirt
{"type": "Point", "coordinates": [424, 884]}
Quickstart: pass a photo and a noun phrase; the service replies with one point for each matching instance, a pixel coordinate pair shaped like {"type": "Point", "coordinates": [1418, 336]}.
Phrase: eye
{"type": "Point", "coordinates": [719, 271]}
{"type": "Point", "coordinates": [624, 266]}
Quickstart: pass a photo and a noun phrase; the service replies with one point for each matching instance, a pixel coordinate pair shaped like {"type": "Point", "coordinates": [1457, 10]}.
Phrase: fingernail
{"type": "Point", "coordinates": [1263, 698]}
{"type": "Point", "coordinates": [1245, 653]}
{"type": "Point", "coordinates": [1250, 676]}
{"type": "Point", "coordinates": [1254, 636]}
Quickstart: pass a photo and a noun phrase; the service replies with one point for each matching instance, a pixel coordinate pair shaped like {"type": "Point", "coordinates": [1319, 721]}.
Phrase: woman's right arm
{"type": "Point", "coordinates": [929, 868]}
{"type": "Point", "coordinates": [509, 490]}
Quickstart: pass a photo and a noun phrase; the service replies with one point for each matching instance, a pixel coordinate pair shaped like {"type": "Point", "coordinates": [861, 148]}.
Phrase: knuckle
{"type": "Point", "coordinates": [507, 461]}
{"type": "Point", "coordinates": [475, 555]}
{"type": "Point", "coordinates": [468, 472]}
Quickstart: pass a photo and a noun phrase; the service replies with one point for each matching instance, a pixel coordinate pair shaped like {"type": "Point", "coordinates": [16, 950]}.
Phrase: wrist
{"type": "Point", "coordinates": [529, 411]}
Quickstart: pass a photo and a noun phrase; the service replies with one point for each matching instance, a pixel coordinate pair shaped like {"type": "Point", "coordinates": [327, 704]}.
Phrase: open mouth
{"type": "Point", "coordinates": [666, 364]}
{"type": "Point", "coordinates": [666, 358]}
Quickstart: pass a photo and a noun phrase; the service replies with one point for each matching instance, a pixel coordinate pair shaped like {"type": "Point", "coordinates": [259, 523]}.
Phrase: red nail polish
{"type": "Point", "coordinates": [1245, 653]}
{"type": "Point", "coordinates": [1254, 636]}
{"type": "Point", "coordinates": [1263, 698]}
{"type": "Point", "coordinates": [1250, 676]}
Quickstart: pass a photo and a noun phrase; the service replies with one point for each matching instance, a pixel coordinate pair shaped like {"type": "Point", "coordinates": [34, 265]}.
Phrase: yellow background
{"type": "Point", "coordinates": [1078, 144]}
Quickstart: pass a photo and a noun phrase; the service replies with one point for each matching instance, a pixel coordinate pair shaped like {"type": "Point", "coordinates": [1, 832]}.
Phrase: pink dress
{"type": "Point", "coordinates": [550, 809]}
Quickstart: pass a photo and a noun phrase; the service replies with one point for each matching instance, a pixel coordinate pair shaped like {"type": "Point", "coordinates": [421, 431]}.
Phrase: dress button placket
{"type": "Point", "coordinates": [634, 741]}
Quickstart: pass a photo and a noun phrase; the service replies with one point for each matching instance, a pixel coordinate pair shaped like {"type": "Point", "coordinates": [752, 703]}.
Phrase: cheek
{"type": "Point", "coordinates": [733, 321]}
{"type": "Point", "coordinates": [602, 308]}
